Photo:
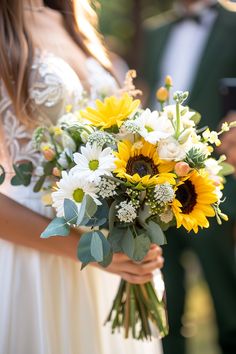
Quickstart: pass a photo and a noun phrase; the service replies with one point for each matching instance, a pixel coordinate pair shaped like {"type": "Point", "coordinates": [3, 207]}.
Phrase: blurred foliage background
{"type": "Point", "coordinates": [121, 23]}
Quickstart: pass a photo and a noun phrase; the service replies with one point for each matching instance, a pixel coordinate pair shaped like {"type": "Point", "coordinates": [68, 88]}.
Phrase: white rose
{"type": "Point", "coordinates": [68, 142]}
{"type": "Point", "coordinates": [212, 167]}
{"type": "Point", "coordinates": [170, 149]}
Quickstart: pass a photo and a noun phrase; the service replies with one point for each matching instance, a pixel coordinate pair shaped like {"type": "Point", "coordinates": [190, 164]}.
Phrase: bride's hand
{"type": "Point", "coordinates": [137, 273]}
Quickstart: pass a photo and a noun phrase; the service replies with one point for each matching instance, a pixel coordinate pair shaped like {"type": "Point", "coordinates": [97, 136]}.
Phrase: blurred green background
{"type": "Point", "coordinates": [121, 23]}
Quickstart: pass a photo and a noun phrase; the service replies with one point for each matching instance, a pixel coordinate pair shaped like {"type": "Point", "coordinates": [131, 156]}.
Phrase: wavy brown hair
{"type": "Point", "coordinates": [17, 50]}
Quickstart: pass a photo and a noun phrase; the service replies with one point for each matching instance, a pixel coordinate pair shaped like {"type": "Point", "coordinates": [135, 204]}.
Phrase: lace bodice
{"type": "Point", "coordinates": [53, 86]}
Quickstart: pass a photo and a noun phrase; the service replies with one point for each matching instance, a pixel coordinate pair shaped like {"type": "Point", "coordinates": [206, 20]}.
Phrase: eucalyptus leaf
{"type": "Point", "coordinates": [101, 215]}
{"type": "Point", "coordinates": [23, 174]}
{"type": "Point", "coordinates": [155, 233]}
{"type": "Point", "coordinates": [70, 211]}
{"type": "Point", "coordinates": [84, 248]}
{"type": "Point", "coordinates": [142, 245]}
{"type": "Point", "coordinates": [57, 227]}
{"type": "Point", "coordinates": [2, 174]}
{"type": "Point", "coordinates": [107, 260]}
{"type": "Point", "coordinates": [112, 215]}
{"type": "Point", "coordinates": [97, 247]}
{"type": "Point", "coordinates": [87, 210]}
{"type": "Point", "coordinates": [115, 238]}
{"type": "Point", "coordinates": [128, 243]}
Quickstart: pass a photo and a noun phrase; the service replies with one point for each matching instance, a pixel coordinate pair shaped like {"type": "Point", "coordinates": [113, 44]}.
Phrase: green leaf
{"type": "Point", "coordinates": [2, 174]}
{"type": "Point", "coordinates": [144, 214]}
{"type": "Point", "coordinates": [84, 246]}
{"type": "Point", "coordinates": [227, 169]}
{"type": "Point", "coordinates": [196, 118]}
{"type": "Point", "coordinates": [87, 210]}
{"type": "Point", "coordinates": [142, 245]}
{"type": "Point", "coordinates": [101, 215]}
{"type": "Point", "coordinates": [96, 247]}
{"type": "Point", "coordinates": [107, 260]}
{"type": "Point", "coordinates": [112, 215]}
{"type": "Point", "coordinates": [23, 174]}
{"type": "Point", "coordinates": [39, 184]}
{"type": "Point", "coordinates": [128, 243]}
{"type": "Point", "coordinates": [115, 238]}
{"type": "Point", "coordinates": [57, 227]}
{"type": "Point", "coordinates": [88, 248]}
{"type": "Point", "coordinates": [155, 233]}
{"type": "Point", "coordinates": [48, 167]}
{"type": "Point", "coordinates": [70, 211]}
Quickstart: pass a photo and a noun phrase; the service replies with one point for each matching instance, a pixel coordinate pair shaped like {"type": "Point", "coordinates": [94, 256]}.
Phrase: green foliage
{"type": "Point", "coordinates": [128, 243]}
{"type": "Point", "coordinates": [195, 158]}
{"type": "Point", "coordinates": [101, 216]}
{"type": "Point", "coordinates": [142, 245]}
{"type": "Point", "coordinates": [57, 227]}
{"type": "Point", "coordinates": [93, 247]}
{"type": "Point", "coordinates": [70, 211]}
{"type": "Point", "coordinates": [23, 174]}
{"type": "Point", "coordinates": [2, 174]}
{"type": "Point", "coordinates": [155, 233]}
{"type": "Point", "coordinates": [87, 210]}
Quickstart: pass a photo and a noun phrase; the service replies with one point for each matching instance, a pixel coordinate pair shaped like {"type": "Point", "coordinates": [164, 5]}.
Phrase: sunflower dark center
{"type": "Point", "coordinates": [142, 165]}
{"type": "Point", "coordinates": [187, 196]}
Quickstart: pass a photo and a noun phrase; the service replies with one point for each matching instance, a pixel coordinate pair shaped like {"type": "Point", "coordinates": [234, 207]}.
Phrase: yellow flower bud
{"type": "Point", "coordinates": [48, 154]}
{"type": "Point", "coordinates": [162, 94]}
{"type": "Point", "coordinates": [168, 81]}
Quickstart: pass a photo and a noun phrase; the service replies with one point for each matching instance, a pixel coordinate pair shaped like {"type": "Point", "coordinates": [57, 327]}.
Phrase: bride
{"type": "Point", "coordinates": [49, 53]}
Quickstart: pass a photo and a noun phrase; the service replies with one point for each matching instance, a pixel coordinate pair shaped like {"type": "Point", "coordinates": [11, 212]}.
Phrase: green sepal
{"type": "Point", "coordinates": [57, 227]}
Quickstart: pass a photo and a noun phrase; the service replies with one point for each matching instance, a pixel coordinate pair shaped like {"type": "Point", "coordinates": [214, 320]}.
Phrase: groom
{"type": "Point", "coordinates": [195, 44]}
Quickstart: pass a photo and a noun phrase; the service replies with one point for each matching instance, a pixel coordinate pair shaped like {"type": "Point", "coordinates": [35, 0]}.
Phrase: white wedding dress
{"type": "Point", "coordinates": [47, 305]}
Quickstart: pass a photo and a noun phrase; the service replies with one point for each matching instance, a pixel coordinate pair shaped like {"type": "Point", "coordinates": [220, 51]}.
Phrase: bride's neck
{"type": "Point", "coordinates": [34, 3]}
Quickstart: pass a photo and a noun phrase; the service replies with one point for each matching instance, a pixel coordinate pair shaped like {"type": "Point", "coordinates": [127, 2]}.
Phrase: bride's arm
{"type": "Point", "coordinates": [23, 227]}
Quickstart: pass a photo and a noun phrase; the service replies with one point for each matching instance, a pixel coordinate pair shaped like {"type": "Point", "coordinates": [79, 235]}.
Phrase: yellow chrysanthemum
{"type": "Point", "coordinates": [113, 111]}
{"type": "Point", "coordinates": [139, 163]}
{"type": "Point", "coordinates": [193, 204]}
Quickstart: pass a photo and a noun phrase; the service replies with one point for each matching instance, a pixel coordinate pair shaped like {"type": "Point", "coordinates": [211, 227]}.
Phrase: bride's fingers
{"type": "Point", "coordinates": [142, 268]}
{"type": "Point", "coordinates": [136, 279]}
{"type": "Point", "coordinates": [153, 253]}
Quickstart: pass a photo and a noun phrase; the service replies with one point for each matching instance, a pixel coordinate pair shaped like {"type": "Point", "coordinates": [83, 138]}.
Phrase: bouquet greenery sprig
{"type": "Point", "coordinates": [132, 172]}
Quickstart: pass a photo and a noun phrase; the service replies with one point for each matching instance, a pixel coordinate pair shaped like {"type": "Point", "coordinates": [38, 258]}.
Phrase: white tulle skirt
{"type": "Point", "coordinates": [49, 306]}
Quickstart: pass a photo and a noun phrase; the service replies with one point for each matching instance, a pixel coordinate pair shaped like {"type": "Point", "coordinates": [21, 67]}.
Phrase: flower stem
{"type": "Point", "coordinates": [127, 310]}
{"type": "Point", "coordinates": [177, 132]}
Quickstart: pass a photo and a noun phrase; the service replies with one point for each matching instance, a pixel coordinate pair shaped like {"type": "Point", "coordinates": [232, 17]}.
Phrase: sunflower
{"type": "Point", "coordinates": [139, 163]}
{"type": "Point", "coordinates": [113, 111]}
{"type": "Point", "coordinates": [193, 203]}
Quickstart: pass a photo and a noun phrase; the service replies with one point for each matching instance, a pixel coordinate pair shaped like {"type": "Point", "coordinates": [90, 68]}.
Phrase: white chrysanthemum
{"type": "Point", "coordinates": [93, 162]}
{"type": "Point", "coordinates": [164, 193]}
{"type": "Point", "coordinates": [126, 212]}
{"type": "Point", "coordinates": [107, 188]}
{"type": "Point", "coordinates": [73, 187]}
{"type": "Point", "coordinates": [153, 127]}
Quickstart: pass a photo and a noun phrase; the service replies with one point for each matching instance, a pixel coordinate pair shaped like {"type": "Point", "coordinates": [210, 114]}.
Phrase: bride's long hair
{"type": "Point", "coordinates": [17, 51]}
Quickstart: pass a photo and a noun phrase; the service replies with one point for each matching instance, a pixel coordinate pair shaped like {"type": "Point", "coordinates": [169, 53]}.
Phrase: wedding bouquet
{"type": "Point", "coordinates": [127, 174]}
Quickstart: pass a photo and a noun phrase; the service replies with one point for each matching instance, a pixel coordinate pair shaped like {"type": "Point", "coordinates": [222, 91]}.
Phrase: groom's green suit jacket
{"type": "Point", "coordinates": [214, 246]}
{"type": "Point", "coordinates": [218, 61]}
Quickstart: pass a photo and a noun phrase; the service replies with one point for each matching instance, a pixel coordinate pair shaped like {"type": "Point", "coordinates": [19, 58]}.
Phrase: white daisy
{"type": "Point", "coordinates": [153, 127]}
{"type": "Point", "coordinates": [73, 187]}
{"type": "Point", "coordinates": [93, 162]}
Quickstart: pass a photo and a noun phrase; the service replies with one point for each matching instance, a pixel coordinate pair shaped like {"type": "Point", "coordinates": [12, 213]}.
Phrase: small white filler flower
{"type": "Point", "coordinates": [164, 193]}
{"type": "Point", "coordinates": [126, 211]}
{"type": "Point", "coordinates": [73, 187]}
{"type": "Point", "coordinates": [93, 162]}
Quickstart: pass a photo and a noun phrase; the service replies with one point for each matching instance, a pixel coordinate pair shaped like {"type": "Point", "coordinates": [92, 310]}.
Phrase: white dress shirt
{"type": "Point", "coordinates": [185, 47]}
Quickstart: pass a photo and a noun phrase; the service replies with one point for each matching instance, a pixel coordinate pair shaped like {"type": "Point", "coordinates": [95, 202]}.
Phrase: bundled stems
{"type": "Point", "coordinates": [135, 308]}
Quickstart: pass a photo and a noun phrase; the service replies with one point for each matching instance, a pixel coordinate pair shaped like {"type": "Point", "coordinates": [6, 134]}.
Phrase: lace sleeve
{"type": "Point", "coordinates": [15, 145]}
